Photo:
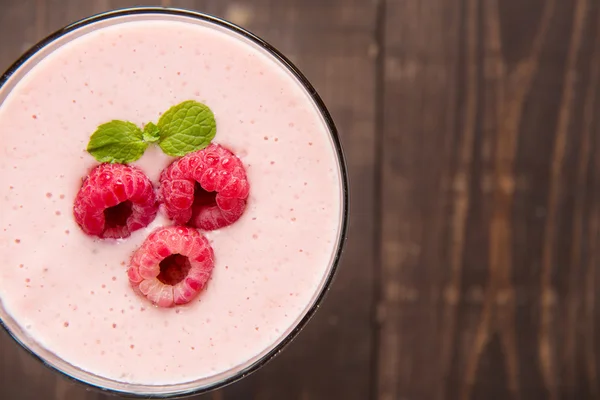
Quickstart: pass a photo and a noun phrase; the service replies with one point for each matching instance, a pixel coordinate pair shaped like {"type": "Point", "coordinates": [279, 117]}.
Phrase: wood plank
{"type": "Point", "coordinates": [333, 44]}
{"type": "Point", "coordinates": [21, 377]}
{"type": "Point", "coordinates": [490, 192]}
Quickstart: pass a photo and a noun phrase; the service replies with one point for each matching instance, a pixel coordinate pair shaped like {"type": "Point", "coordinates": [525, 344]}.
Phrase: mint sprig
{"type": "Point", "coordinates": [184, 128]}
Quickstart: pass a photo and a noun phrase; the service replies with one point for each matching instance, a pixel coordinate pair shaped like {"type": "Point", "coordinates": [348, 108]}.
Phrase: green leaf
{"type": "Point", "coordinates": [186, 127]}
{"type": "Point", "coordinates": [117, 142]}
{"type": "Point", "coordinates": [151, 133]}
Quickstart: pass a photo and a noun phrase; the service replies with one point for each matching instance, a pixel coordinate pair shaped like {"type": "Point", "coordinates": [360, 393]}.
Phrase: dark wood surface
{"type": "Point", "coordinates": [472, 131]}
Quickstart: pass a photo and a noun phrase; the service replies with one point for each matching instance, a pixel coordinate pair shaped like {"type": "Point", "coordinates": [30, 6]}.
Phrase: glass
{"type": "Point", "coordinates": [19, 70]}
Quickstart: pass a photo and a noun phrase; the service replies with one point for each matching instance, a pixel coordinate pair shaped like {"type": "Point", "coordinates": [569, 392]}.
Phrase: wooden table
{"type": "Point", "coordinates": [472, 132]}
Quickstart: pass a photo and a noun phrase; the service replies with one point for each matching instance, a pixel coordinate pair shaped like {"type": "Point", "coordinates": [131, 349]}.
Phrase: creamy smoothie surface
{"type": "Point", "coordinates": [70, 291]}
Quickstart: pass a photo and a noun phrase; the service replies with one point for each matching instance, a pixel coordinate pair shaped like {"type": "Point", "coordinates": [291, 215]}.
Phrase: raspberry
{"type": "Point", "coordinates": [172, 266]}
{"type": "Point", "coordinates": [115, 200]}
{"type": "Point", "coordinates": [206, 189]}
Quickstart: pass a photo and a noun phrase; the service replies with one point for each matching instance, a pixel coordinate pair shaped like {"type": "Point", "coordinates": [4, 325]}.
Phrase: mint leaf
{"type": "Point", "coordinates": [117, 142]}
{"type": "Point", "coordinates": [186, 127]}
{"type": "Point", "coordinates": [151, 133]}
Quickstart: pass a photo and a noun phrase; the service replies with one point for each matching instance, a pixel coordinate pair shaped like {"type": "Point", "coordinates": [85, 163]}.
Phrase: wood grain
{"type": "Point", "coordinates": [489, 251]}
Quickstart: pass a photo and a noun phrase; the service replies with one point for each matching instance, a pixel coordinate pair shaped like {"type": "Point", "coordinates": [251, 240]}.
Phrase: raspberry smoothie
{"type": "Point", "coordinates": [67, 293]}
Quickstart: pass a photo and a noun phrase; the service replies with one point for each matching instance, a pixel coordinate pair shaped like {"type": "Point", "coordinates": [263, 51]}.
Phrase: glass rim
{"type": "Point", "coordinates": [344, 185]}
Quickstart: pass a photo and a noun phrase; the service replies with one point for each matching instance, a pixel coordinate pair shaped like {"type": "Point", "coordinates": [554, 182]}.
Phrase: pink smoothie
{"type": "Point", "coordinates": [69, 292]}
